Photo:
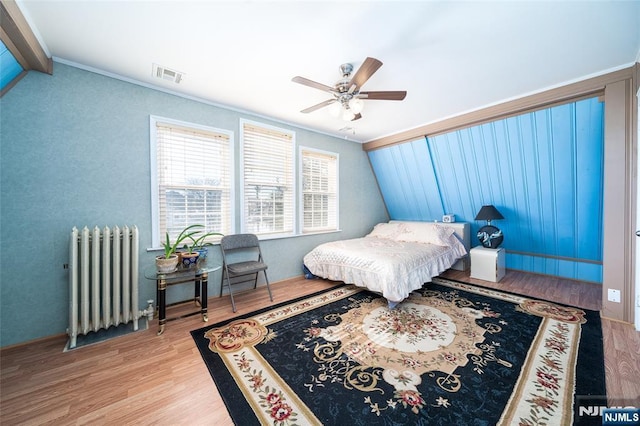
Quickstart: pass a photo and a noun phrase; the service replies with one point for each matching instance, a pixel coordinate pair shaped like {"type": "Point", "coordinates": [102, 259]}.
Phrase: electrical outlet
{"type": "Point", "coordinates": [614, 295]}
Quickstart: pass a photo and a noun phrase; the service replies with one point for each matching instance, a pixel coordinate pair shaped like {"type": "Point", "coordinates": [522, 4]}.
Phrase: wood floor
{"type": "Point", "coordinates": [147, 379]}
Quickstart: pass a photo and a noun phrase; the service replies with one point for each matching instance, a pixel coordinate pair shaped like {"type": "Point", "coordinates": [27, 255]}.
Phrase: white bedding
{"type": "Point", "coordinates": [387, 266]}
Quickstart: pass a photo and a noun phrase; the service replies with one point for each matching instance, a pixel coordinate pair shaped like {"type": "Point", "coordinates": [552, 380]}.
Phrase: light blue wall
{"type": "Point", "coordinates": [75, 152]}
{"type": "Point", "coordinates": [542, 170]}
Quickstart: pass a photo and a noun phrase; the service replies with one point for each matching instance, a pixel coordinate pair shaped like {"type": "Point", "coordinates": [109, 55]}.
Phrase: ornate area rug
{"type": "Point", "coordinates": [450, 354]}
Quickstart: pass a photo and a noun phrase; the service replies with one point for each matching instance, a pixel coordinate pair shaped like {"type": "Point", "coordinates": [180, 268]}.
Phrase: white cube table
{"type": "Point", "coordinates": [487, 264]}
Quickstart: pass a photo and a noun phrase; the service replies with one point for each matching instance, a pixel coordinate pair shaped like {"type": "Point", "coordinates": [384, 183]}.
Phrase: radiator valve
{"type": "Point", "coordinates": [149, 311]}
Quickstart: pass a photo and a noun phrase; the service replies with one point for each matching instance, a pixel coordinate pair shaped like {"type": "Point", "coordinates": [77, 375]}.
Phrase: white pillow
{"type": "Point", "coordinates": [389, 230]}
{"type": "Point", "coordinates": [426, 233]}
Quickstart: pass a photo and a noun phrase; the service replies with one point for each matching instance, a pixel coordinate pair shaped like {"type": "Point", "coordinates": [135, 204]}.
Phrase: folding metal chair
{"type": "Point", "coordinates": [239, 252]}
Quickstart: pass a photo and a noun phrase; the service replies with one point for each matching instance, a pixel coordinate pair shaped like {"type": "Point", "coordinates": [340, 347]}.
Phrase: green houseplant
{"type": "Point", "coordinates": [199, 244]}
{"type": "Point", "coordinates": [169, 261]}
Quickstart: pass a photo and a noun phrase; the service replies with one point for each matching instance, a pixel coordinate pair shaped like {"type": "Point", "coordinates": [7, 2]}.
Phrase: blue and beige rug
{"type": "Point", "coordinates": [452, 353]}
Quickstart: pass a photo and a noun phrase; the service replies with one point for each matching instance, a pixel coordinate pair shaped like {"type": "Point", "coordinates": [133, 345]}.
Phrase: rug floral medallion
{"type": "Point", "coordinates": [450, 354]}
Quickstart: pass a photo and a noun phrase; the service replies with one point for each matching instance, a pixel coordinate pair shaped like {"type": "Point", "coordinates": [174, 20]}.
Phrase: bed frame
{"type": "Point", "coordinates": [463, 231]}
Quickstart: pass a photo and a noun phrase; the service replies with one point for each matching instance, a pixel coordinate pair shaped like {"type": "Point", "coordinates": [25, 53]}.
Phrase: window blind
{"type": "Point", "coordinates": [319, 191]}
{"type": "Point", "coordinates": [193, 179]}
{"type": "Point", "coordinates": [267, 180]}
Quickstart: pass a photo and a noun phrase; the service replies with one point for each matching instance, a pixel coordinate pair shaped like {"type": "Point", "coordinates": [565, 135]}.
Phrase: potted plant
{"type": "Point", "coordinates": [168, 262]}
{"type": "Point", "coordinates": [199, 244]}
{"type": "Point", "coordinates": [187, 257]}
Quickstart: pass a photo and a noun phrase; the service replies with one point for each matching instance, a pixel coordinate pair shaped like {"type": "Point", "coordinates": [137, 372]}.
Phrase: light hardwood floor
{"type": "Point", "coordinates": [147, 379]}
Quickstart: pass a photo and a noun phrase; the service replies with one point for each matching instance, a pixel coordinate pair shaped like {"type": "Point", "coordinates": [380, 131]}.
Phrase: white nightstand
{"type": "Point", "coordinates": [487, 264]}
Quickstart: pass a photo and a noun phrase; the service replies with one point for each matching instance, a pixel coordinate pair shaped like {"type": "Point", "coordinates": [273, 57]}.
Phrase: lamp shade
{"type": "Point", "coordinates": [489, 213]}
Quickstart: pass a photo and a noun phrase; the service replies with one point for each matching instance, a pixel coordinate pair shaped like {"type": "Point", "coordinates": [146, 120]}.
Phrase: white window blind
{"type": "Point", "coordinates": [193, 179]}
{"type": "Point", "coordinates": [319, 191]}
{"type": "Point", "coordinates": [267, 179]}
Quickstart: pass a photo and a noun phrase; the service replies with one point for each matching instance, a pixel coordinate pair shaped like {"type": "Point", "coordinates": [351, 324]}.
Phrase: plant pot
{"type": "Point", "coordinates": [166, 265]}
{"type": "Point", "coordinates": [189, 260]}
{"type": "Point", "coordinates": [203, 251]}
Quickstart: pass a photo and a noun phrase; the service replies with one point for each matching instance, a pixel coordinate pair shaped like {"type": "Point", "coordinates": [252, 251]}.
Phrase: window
{"type": "Point", "coordinates": [319, 190]}
{"type": "Point", "coordinates": [191, 178]}
{"type": "Point", "coordinates": [267, 179]}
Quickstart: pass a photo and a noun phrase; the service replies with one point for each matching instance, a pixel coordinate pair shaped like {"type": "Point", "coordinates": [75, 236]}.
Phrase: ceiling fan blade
{"type": "Point", "coordinates": [386, 96]}
{"type": "Point", "coordinates": [318, 106]}
{"type": "Point", "coordinates": [365, 71]}
{"type": "Point", "coordinates": [357, 117]}
{"type": "Point", "coordinates": [311, 83]}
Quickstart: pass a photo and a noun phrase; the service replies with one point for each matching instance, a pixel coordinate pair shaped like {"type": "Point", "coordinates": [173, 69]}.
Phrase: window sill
{"type": "Point", "coordinates": [265, 238]}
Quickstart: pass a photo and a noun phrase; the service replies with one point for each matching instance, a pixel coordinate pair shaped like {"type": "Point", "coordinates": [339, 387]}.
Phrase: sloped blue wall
{"type": "Point", "coordinates": [9, 66]}
{"type": "Point", "coordinates": [542, 170]}
{"type": "Point", "coordinates": [407, 181]}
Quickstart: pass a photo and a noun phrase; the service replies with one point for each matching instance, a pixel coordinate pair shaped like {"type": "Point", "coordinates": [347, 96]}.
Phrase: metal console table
{"type": "Point", "coordinates": [199, 275]}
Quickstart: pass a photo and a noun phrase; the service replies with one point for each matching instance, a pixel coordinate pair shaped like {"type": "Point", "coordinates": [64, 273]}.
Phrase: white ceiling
{"type": "Point", "coordinates": [450, 56]}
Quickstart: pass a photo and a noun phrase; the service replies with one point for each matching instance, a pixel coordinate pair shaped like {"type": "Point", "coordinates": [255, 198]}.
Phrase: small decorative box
{"type": "Point", "coordinates": [449, 218]}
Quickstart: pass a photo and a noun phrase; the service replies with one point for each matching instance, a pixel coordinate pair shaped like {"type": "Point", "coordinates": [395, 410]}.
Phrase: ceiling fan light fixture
{"type": "Point", "coordinates": [347, 114]}
{"type": "Point", "coordinates": [335, 109]}
{"type": "Point", "coordinates": [356, 105]}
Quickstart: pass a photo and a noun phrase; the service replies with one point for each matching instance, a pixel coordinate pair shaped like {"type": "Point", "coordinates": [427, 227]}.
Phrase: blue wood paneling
{"type": "Point", "coordinates": [407, 181]}
{"type": "Point", "coordinates": [9, 66]}
{"type": "Point", "coordinates": [543, 171]}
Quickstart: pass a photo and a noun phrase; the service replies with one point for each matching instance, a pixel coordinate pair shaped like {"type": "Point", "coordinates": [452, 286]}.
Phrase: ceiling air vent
{"type": "Point", "coordinates": [167, 74]}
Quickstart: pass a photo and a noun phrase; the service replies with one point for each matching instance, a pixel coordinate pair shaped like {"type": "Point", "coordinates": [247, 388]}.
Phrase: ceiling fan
{"type": "Point", "coordinates": [347, 96]}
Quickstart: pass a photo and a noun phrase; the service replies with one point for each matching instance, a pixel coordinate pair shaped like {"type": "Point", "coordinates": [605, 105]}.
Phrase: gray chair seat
{"type": "Point", "coordinates": [249, 267]}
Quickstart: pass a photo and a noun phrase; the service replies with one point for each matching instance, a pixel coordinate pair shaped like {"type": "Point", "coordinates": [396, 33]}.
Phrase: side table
{"type": "Point", "coordinates": [487, 264]}
{"type": "Point", "coordinates": [199, 275]}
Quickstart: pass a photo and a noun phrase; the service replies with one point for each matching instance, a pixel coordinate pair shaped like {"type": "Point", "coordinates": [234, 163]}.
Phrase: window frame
{"type": "Point", "coordinates": [301, 192]}
{"type": "Point", "coordinates": [156, 238]}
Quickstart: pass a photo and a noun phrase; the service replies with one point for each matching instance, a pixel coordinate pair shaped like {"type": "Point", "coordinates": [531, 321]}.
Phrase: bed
{"type": "Point", "coordinates": [395, 259]}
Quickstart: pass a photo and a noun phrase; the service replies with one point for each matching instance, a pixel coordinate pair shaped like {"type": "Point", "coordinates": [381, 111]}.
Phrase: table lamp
{"type": "Point", "coordinates": [489, 235]}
